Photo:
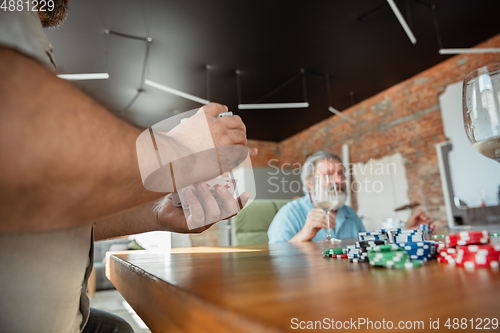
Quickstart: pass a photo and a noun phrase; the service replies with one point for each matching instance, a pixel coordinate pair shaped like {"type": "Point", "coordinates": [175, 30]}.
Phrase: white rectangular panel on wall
{"type": "Point", "coordinates": [380, 187]}
{"type": "Point", "coordinates": [470, 171]}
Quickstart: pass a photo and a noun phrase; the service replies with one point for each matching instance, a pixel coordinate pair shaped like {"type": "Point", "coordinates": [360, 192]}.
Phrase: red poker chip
{"type": "Point", "coordinates": [339, 256]}
{"type": "Point", "coordinates": [480, 249]}
{"type": "Point", "coordinates": [443, 260]}
{"type": "Point", "coordinates": [447, 256]}
{"type": "Point", "coordinates": [495, 256]}
{"type": "Point", "coordinates": [451, 240]}
{"type": "Point", "coordinates": [440, 245]}
{"type": "Point", "coordinates": [470, 234]}
{"type": "Point", "coordinates": [468, 254]}
{"type": "Point", "coordinates": [448, 251]}
{"type": "Point", "coordinates": [477, 259]}
{"type": "Point", "coordinates": [470, 264]}
{"type": "Point", "coordinates": [471, 241]}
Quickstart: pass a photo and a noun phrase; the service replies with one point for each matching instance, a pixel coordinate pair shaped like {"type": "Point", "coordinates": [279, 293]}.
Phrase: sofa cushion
{"type": "Point", "coordinates": [251, 224]}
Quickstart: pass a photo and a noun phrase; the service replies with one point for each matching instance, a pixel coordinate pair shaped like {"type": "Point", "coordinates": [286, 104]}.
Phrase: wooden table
{"type": "Point", "coordinates": [261, 288]}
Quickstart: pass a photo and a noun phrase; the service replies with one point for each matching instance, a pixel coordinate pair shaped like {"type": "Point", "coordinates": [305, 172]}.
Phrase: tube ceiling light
{"type": "Point", "coordinates": [340, 114]}
{"type": "Point", "coordinates": [273, 106]}
{"type": "Point", "coordinates": [176, 92]}
{"type": "Point", "coordinates": [474, 50]}
{"type": "Point", "coordinates": [402, 21]}
{"type": "Point", "coordinates": [88, 76]}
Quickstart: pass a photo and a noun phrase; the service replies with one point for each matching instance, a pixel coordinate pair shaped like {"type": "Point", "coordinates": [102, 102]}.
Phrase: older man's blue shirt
{"type": "Point", "coordinates": [291, 218]}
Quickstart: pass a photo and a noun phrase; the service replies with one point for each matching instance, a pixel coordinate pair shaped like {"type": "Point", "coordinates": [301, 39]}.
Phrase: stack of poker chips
{"type": "Point", "coordinates": [357, 254]}
{"type": "Point", "coordinates": [414, 243]}
{"type": "Point", "coordinates": [391, 256]}
{"type": "Point", "coordinates": [424, 250]}
{"type": "Point", "coordinates": [408, 236]}
{"type": "Point", "coordinates": [470, 249]}
{"type": "Point", "coordinates": [376, 235]}
{"type": "Point", "coordinates": [472, 256]}
{"type": "Point", "coordinates": [427, 228]}
{"type": "Point", "coordinates": [447, 255]}
{"type": "Point", "coordinates": [367, 240]}
{"type": "Point", "coordinates": [337, 253]}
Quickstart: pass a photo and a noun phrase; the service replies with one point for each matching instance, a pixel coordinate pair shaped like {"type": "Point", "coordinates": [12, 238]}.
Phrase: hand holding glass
{"type": "Point", "coordinates": [325, 196]}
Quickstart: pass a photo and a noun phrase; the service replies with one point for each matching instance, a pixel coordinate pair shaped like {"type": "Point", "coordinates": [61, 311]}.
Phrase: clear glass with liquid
{"type": "Point", "coordinates": [325, 195]}
{"type": "Point", "coordinates": [481, 109]}
{"type": "Point", "coordinates": [489, 148]}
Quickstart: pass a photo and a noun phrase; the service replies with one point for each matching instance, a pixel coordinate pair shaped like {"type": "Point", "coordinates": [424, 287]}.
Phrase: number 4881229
{"type": "Point", "coordinates": [478, 323]}
{"type": "Point", "coordinates": [29, 5]}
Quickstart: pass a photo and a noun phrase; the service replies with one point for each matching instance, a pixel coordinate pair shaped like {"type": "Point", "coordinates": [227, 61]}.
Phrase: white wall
{"type": "Point", "coordinates": [381, 187]}
{"type": "Point", "coordinates": [471, 172]}
{"type": "Point", "coordinates": [156, 240]}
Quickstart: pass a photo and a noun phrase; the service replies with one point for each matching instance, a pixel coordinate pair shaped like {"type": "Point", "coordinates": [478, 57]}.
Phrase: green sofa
{"type": "Point", "coordinates": [251, 224]}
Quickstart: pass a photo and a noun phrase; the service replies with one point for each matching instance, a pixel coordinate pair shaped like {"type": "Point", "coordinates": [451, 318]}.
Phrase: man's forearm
{"type": "Point", "coordinates": [135, 221]}
{"type": "Point", "coordinates": [300, 237]}
{"type": "Point", "coordinates": [64, 159]}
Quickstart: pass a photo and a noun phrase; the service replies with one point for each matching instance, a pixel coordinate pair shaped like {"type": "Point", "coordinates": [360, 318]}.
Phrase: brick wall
{"type": "Point", "coordinates": [267, 151]}
{"type": "Point", "coordinates": [403, 119]}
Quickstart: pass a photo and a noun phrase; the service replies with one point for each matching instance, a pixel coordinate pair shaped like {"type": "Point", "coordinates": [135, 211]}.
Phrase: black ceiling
{"type": "Point", "coordinates": [269, 42]}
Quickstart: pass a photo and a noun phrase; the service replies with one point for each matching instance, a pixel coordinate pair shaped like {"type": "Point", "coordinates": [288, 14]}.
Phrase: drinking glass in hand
{"type": "Point", "coordinates": [481, 109]}
{"type": "Point", "coordinates": [325, 196]}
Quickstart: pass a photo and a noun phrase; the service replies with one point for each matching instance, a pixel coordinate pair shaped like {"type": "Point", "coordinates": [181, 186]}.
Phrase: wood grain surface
{"type": "Point", "coordinates": [261, 288]}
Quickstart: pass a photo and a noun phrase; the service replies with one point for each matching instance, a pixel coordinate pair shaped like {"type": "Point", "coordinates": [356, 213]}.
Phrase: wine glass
{"type": "Point", "coordinates": [481, 109]}
{"type": "Point", "coordinates": [325, 195]}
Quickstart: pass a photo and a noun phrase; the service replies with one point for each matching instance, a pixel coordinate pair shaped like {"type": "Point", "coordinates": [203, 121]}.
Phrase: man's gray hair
{"type": "Point", "coordinates": [310, 165]}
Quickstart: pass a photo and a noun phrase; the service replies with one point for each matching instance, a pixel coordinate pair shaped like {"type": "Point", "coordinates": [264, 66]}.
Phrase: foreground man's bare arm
{"type": "Point", "coordinates": [58, 149]}
{"type": "Point", "coordinates": [162, 215]}
{"type": "Point", "coordinates": [64, 159]}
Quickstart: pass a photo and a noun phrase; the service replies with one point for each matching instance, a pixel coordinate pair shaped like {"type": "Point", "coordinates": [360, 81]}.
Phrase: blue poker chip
{"type": "Point", "coordinates": [372, 233]}
{"type": "Point", "coordinates": [357, 249]}
{"type": "Point", "coordinates": [417, 237]}
{"type": "Point", "coordinates": [419, 253]}
{"type": "Point", "coordinates": [378, 235]}
{"type": "Point", "coordinates": [368, 238]}
{"type": "Point", "coordinates": [408, 239]}
{"type": "Point", "coordinates": [415, 244]}
{"type": "Point", "coordinates": [409, 235]}
{"type": "Point", "coordinates": [414, 233]}
{"type": "Point", "coordinates": [412, 249]}
{"type": "Point", "coordinates": [424, 227]}
{"type": "Point", "coordinates": [401, 241]}
{"type": "Point", "coordinates": [410, 232]}
{"type": "Point", "coordinates": [410, 246]}
{"type": "Point", "coordinates": [417, 249]}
